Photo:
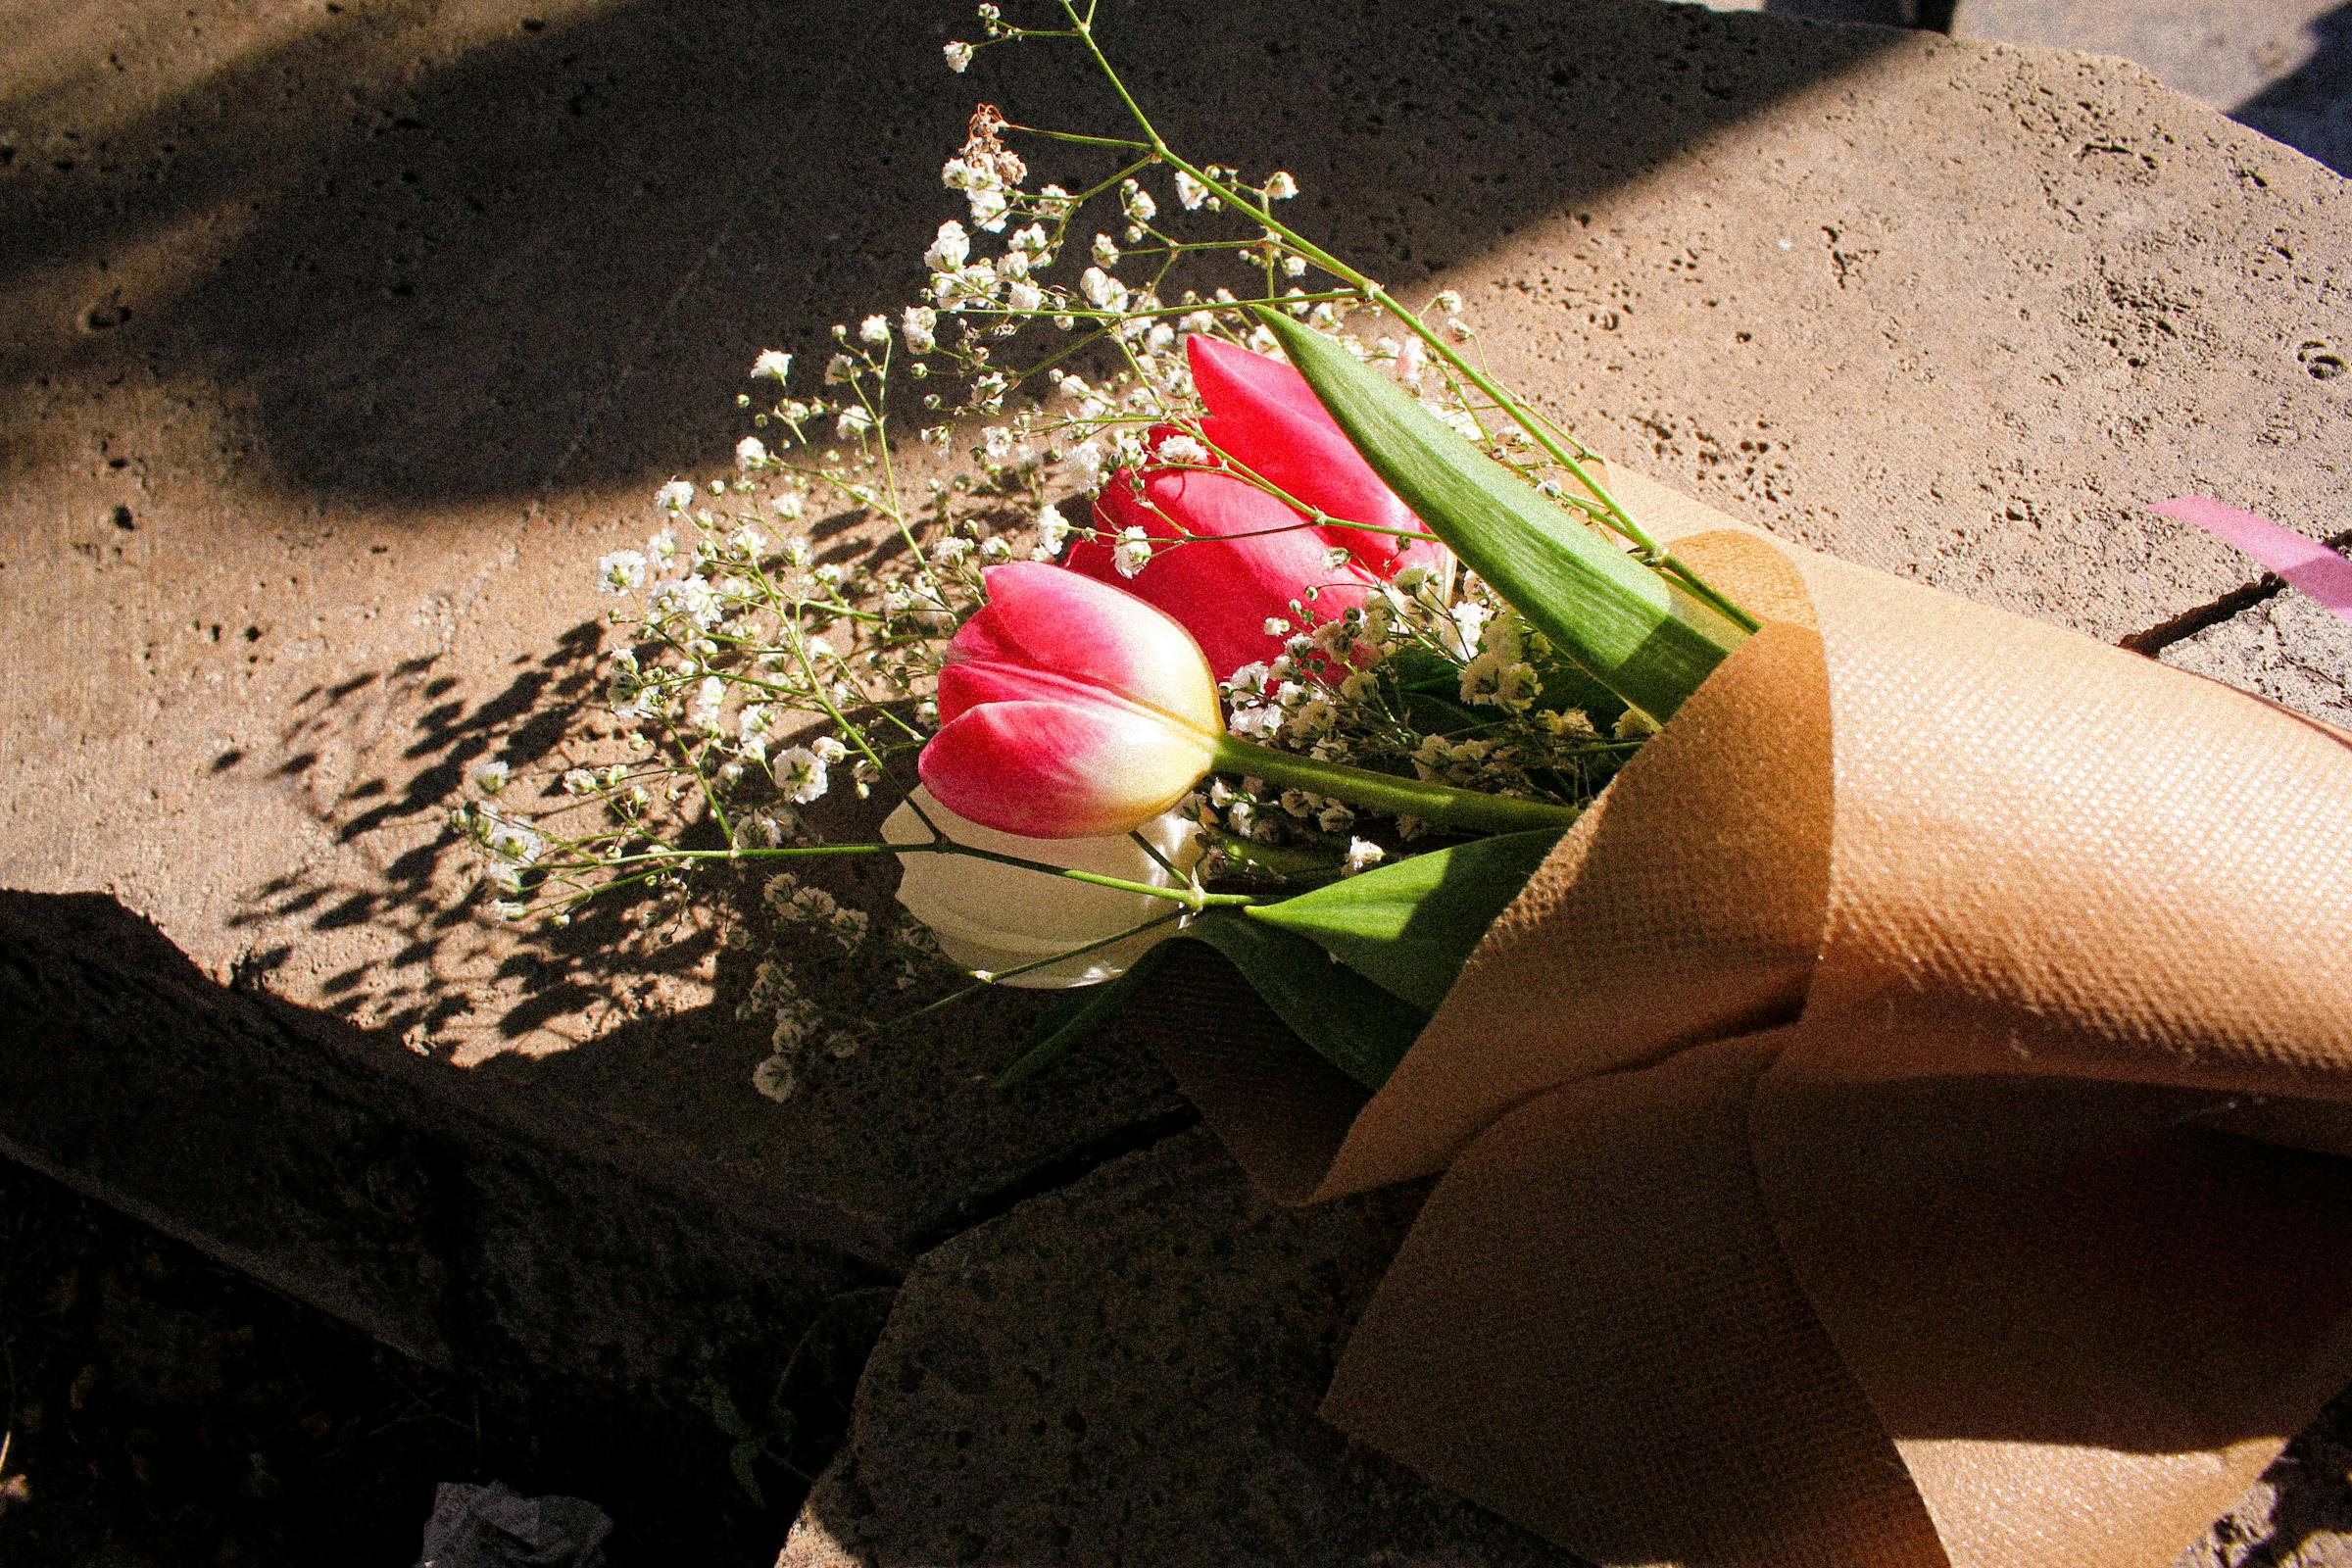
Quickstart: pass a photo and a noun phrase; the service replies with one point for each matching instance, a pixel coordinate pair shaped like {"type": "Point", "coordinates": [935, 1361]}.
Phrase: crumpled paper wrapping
{"type": "Point", "coordinates": [1895, 1128]}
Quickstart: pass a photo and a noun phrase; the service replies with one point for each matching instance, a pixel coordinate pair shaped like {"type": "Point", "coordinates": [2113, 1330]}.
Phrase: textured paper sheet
{"type": "Point", "coordinates": [1850, 1135]}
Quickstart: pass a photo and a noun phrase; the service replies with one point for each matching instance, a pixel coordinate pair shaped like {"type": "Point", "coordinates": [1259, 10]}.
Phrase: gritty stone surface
{"type": "Point", "coordinates": [1127, 1371]}
{"type": "Point", "coordinates": [2286, 648]}
{"type": "Point", "coordinates": [2284, 67]}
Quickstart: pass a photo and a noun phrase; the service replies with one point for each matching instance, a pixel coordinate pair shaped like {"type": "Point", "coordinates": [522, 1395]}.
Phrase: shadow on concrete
{"type": "Point", "coordinates": [548, 261]}
{"type": "Point", "coordinates": [2311, 110]}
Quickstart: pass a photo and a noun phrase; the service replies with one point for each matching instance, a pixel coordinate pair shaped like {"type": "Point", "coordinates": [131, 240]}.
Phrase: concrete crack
{"type": "Point", "coordinates": [2187, 624]}
{"type": "Point", "coordinates": [1064, 1169]}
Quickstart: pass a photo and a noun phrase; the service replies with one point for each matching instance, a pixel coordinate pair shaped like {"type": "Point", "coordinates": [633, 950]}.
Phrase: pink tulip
{"type": "Point", "coordinates": [1069, 708]}
{"type": "Point", "coordinates": [1247, 555]}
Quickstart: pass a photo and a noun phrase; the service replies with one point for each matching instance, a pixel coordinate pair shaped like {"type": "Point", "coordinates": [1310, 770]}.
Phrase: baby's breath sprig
{"type": "Point", "coordinates": [776, 641]}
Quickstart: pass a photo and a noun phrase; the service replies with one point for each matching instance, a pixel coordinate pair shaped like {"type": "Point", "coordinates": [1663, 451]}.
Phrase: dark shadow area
{"type": "Point", "coordinates": [549, 261]}
{"type": "Point", "coordinates": [557, 1321]}
{"type": "Point", "coordinates": [418, 886]}
{"type": "Point", "coordinates": [2311, 111]}
{"type": "Point", "coordinates": [1868, 12]}
{"type": "Point", "coordinates": [164, 1409]}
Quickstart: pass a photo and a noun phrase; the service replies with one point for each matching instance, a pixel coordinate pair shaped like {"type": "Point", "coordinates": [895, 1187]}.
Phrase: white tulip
{"type": "Point", "coordinates": [994, 917]}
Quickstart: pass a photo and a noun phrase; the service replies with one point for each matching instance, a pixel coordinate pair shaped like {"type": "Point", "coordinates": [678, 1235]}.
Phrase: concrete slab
{"type": "Point", "coordinates": [1127, 1371]}
{"type": "Point", "coordinates": [2284, 67]}
{"type": "Point", "coordinates": [337, 346]}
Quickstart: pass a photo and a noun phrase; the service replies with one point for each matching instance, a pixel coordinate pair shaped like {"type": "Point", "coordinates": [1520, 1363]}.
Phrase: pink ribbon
{"type": "Point", "coordinates": [2303, 563]}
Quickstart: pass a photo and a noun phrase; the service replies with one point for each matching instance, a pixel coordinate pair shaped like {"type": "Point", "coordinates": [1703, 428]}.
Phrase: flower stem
{"type": "Point", "coordinates": [1442, 805]}
{"type": "Point", "coordinates": [1647, 548]}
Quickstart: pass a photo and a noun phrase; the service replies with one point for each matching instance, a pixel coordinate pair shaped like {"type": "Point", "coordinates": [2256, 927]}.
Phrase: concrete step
{"type": "Point", "coordinates": [339, 345]}
{"type": "Point", "coordinates": [2284, 67]}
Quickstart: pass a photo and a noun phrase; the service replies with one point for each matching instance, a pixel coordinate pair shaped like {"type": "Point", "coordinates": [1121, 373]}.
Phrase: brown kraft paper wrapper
{"type": "Point", "coordinates": [1894, 1127]}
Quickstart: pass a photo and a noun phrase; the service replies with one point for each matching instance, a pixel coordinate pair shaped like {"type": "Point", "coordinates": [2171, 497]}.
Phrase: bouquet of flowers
{"type": "Point", "coordinates": [1845, 1015]}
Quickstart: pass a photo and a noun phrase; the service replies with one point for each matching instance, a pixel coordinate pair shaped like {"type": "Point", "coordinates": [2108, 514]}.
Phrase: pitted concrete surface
{"type": "Point", "coordinates": [1041, 1396]}
{"type": "Point", "coordinates": [2284, 67]}
{"type": "Point", "coordinates": [340, 342]}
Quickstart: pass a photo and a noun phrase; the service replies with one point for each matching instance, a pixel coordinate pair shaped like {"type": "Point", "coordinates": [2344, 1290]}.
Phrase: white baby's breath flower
{"type": "Point", "coordinates": [989, 209]}
{"type": "Point", "coordinates": [620, 573]}
{"type": "Point", "coordinates": [1132, 553]}
{"type": "Point", "coordinates": [1469, 618]}
{"type": "Point", "coordinates": [1101, 290]}
{"type": "Point", "coordinates": [1448, 301]}
{"type": "Point", "coordinates": [675, 496]}
{"type": "Point", "coordinates": [1085, 464]}
{"type": "Point", "coordinates": [854, 424]}
{"type": "Point", "coordinates": [1136, 202]}
{"type": "Point", "coordinates": [1190, 191]}
{"type": "Point", "coordinates": [1053, 530]}
{"type": "Point", "coordinates": [1183, 448]}
{"type": "Point", "coordinates": [1634, 724]}
{"type": "Point", "coordinates": [874, 330]}
{"type": "Point", "coordinates": [1281, 186]}
{"type": "Point", "coordinates": [773, 365]}
{"type": "Point", "coordinates": [951, 248]}
{"type": "Point", "coordinates": [750, 452]}
{"type": "Point", "coordinates": [490, 778]}
{"type": "Point", "coordinates": [773, 1078]}
{"type": "Point", "coordinates": [918, 325]}
{"type": "Point", "coordinates": [1032, 244]}
{"type": "Point", "coordinates": [801, 774]}
{"type": "Point", "coordinates": [959, 56]}
{"type": "Point", "coordinates": [1024, 298]}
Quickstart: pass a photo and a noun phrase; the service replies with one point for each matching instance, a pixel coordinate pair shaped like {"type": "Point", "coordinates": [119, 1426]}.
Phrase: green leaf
{"type": "Point", "coordinates": [1349, 1021]}
{"type": "Point", "coordinates": [1643, 638]}
{"type": "Point", "coordinates": [739, 1461]}
{"type": "Point", "coordinates": [1075, 1018]}
{"type": "Point", "coordinates": [724, 1410]}
{"type": "Point", "coordinates": [1409, 926]}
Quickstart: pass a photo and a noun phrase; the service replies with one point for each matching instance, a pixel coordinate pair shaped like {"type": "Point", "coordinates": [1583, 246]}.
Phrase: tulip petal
{"type": "Point", "coordinates": [1047, 632]}
{"type": "Point", "coordinates": [1065, 768]}
{"type": "Point", "coordinates": [1263, 412]}
{"type": "Point", "coordinates": [992, 917]}
{"type": "Point", "coordinates": [1253, 560]}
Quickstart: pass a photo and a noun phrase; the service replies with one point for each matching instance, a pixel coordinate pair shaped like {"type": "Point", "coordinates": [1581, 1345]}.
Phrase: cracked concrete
{"type": "Point", "coordinates": [338, 348]}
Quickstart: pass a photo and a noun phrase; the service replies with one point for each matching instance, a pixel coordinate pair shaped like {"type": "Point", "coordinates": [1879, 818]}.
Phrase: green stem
{"type": "Point", "coordinates": [1647, 548]}
{"type": "Point", "coordinates": [1440, 804]}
